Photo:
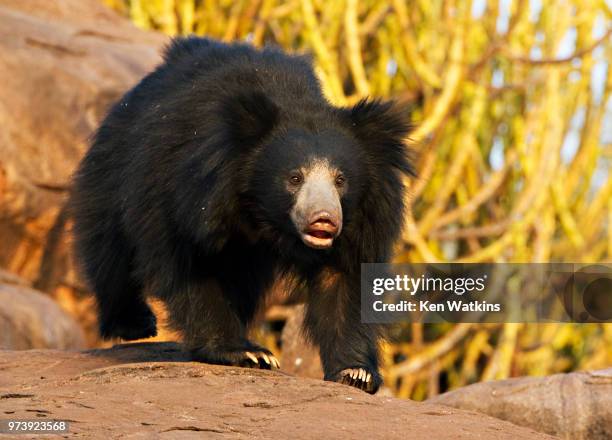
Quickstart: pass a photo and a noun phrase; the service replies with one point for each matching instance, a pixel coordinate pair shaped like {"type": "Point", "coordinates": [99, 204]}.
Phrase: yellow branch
{"type": "Point", "coordinates": [262, 19]}
{"type": "Point", "coordinates": [565, 216]}
{"type": "Point", "coordinates": [465, 144]}
{"type": "Point", "coordinates": [432, 352]}
{"type": "Point", "coordinates": [501, 362]}
{"type": "Point", "coordinates": [331, 76]}
{"type": "Point", "coordinates": [419, 65]}
{"type": "Point", "coordinates": [354, 48]}
{"type": "Point", "coordinates": [451, 86]}
{"type": "Point", "coordinates": [484, 194]}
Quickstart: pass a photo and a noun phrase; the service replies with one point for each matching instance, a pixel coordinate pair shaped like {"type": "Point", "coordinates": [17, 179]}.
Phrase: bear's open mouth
{"type": "Point", "coordinates": [320, 235]}
{"type": "Point", "coordinates": [318, 239]}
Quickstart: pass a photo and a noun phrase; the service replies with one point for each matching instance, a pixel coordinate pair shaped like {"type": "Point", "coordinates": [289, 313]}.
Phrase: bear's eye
{"type": "Point", "coordinates": [296, 179]}
{"type": "Point", "coordinates": [340, 180]}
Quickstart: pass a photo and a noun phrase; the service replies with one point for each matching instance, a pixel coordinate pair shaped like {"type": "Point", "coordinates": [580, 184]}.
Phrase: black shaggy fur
{"type": "Point", "coordinates": [181, 196]}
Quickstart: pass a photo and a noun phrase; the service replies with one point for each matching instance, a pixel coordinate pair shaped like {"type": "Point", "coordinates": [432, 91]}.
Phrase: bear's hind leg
{"type": "Point", "coordinates": [122, 310]}
{"type": "Point", "coordinates": [212, 329]}
{"type": "Point", "coordinates": [130, 318]}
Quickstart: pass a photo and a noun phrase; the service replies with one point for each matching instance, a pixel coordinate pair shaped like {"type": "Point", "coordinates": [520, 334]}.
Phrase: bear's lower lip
{"type": "Point", "coordinates": [318, 239]}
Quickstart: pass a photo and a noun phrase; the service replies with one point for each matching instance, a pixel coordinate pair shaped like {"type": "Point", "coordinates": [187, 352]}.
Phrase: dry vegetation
{"type": "Point", "coordinates": [510, 101]}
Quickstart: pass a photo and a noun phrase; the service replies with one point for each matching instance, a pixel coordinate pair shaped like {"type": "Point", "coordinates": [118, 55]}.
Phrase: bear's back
{"type": "Point", "coordinates": [220, 69]}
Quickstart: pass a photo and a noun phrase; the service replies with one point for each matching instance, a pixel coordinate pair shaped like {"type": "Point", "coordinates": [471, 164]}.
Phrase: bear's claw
{"type": "Point", "coordinates": [250, 356]}
{"type": "Point", "coordinates": [258, 356]}
{"type": "Point", "coordinates": [358, 378]}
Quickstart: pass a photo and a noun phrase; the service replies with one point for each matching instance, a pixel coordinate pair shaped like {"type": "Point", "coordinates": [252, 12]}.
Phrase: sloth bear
{"type": "Point", "coordinates": [224, 173]}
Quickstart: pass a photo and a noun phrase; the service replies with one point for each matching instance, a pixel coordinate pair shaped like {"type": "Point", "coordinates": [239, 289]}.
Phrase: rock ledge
{"type": "Point", "coordinates": [150, 390]}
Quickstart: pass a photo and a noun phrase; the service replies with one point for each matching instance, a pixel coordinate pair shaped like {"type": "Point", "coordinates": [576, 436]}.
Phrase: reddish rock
{"type": "Point", "coordinates": [62, 63]}
{"type": "Point", "coordinates": [30, 319]}
{"type": "Point", "coordinates": [7, 277]}
{"type": "Point", "coordinates": [130, 392]}
{"type": "Point", "coordinates": [572, 406]}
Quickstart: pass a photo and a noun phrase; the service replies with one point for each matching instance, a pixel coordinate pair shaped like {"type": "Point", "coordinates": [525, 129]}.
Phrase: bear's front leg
{"type": "Point", "coordinates": [214, 327]}
{"type": "Point", "coordinates": [348, 348]}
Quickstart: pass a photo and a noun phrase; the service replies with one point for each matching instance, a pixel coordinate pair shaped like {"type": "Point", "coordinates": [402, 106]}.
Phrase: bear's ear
{"type": "Point", "coordinates": [382, 127]}
{"type": "Point", "coordinates": [250, 116]}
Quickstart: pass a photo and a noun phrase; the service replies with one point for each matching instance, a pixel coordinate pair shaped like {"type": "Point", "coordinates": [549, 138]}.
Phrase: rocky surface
{"type": "Point", "coordinates": [572, 406]}
{"type": "Point", "coordinates": [151, 391]}
{"type": "Point", "coordinates": [10, 278]}
{"type": "Point", "coordinates": [62, 63]}
{"type": "Point", "coordinates": [30, 319]}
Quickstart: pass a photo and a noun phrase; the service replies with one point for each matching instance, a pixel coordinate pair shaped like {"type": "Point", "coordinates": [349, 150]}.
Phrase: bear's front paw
{"type": "Point", "coordinates": [250, 358]}
{"type": "Point", "coordinates": [262, 359]}
{"type": "Point", "coordinates": [360, 378]}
